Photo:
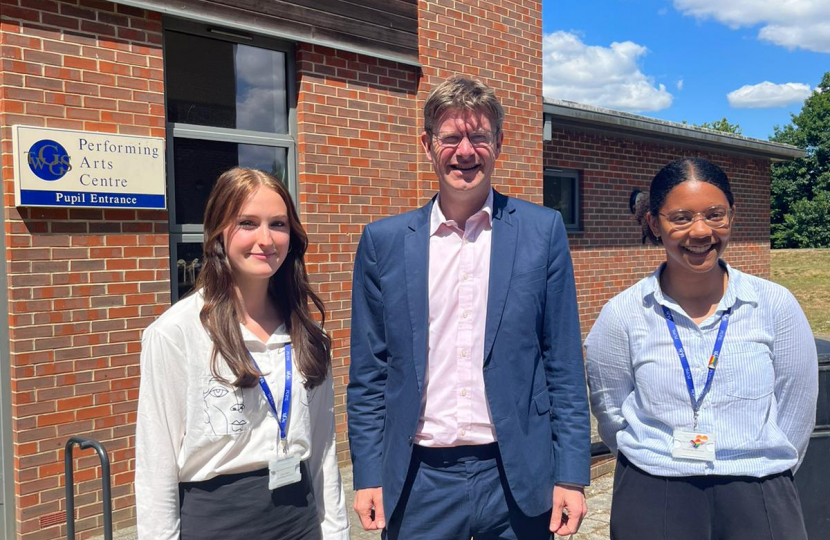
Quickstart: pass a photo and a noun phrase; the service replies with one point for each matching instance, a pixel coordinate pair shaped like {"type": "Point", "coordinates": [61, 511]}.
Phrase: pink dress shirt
{"type": "Point", "coordinates": [454, 409]}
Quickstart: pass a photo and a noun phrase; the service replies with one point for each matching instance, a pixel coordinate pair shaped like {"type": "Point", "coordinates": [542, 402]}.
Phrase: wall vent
{"type": "Point", "coordinates": [50, 520]}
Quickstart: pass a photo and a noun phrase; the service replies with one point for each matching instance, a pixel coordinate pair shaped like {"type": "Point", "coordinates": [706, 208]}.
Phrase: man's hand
{"type": "Point", "coordinates": [368, 504]}
{"type": "Point", "coordinates": [569, 508]}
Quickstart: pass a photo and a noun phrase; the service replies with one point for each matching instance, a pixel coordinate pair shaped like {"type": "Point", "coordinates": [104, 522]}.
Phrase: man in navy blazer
{"type": "Point", "coordinates": [468, 414]}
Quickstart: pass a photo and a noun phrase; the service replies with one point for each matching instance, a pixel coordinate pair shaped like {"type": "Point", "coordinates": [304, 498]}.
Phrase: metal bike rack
{"type": "Point", "coordinates": [84, 444]}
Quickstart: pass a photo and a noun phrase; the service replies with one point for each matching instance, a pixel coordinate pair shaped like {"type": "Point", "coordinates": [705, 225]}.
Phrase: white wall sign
{"type": "Point", "coordinates": [82, 169]}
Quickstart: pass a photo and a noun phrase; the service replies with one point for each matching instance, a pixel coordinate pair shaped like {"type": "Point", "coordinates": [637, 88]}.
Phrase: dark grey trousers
{"type": "Point", "coordinates": [648, 507]}
{"type": "Point", "coordinates": [241, 507]}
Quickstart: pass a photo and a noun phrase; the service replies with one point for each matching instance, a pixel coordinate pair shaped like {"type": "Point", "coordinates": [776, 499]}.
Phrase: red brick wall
{"type": "Point", "coordinates": [82, 283]}
{"type": "Point", "coordinates": [608, 253]}
{"type": "Point", "coordinates": [357, 144]}
{"type": "Point", "coordinates": [499, 42]}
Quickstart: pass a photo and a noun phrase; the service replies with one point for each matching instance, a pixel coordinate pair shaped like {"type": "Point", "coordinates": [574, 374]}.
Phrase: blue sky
{"type": "Point", "coordinates": [680, 59]}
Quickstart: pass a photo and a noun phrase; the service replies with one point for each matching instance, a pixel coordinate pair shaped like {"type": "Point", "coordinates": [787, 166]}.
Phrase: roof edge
{"type": "Point", "coordinates": [591, 116]}
{"type": "Point", "coordinates": [174, 10]}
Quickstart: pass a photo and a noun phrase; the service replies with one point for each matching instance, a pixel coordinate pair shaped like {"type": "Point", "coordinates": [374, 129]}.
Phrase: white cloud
{"type": "Point", "coordinates": [767, 95]}
{"type": "Point", "coordinates": [601, 76]}
{"type": "Point", "coordinates": [258, 67]}
{"type": "Point", "coordinates": [260, 91]}
{"type": "Point", "coordinates": [813, 37]}
{"type": "Point", "coordinates": [790, 23]}
{"type": "Point", "coordinates": [680, 84]}
{"type": "Point", "coordinates": [261, 109]}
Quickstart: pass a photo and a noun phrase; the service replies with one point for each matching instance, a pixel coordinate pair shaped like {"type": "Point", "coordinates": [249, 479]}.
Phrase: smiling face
{"type": "Point", "coordinates": [257, 241]}
{"type": "Point", "coordinates": [698, 248]}
{"type": "Point", "coordinates": [468, 167]}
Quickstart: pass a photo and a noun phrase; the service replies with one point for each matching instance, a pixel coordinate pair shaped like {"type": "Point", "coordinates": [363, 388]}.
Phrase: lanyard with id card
{"type": "Point", "coordinates": [695, 444]}
{"type": "Point", "coordinates": [285, 469]}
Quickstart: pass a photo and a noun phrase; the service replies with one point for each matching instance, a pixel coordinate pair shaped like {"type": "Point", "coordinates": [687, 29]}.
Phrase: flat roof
{"type": "Point", "coordinates": [578, 115]}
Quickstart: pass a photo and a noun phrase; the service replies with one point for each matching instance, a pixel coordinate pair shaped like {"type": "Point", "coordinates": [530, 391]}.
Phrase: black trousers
{"type": "Point", "coordinates": [648, 507]}
{"type": "Point", "coordinates": [241, 507]}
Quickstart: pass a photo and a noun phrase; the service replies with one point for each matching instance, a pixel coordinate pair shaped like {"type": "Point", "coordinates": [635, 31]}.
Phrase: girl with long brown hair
{"type": "Point", "coordinates": [235, 434]}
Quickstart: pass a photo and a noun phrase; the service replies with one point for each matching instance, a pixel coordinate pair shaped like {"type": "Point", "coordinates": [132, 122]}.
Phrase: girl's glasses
{"type": "Point", "coordinates": [716, 217]}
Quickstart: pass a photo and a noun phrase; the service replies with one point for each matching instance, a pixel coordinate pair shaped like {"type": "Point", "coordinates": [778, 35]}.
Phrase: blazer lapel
{"type": "Point", "coordinates": [502, 252]}
{"type": "Point", "coordinates": [416, 261]}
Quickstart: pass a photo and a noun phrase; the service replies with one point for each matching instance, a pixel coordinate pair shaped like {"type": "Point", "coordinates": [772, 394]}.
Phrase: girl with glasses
{"type": "Point", "coordinates": [703, 379]}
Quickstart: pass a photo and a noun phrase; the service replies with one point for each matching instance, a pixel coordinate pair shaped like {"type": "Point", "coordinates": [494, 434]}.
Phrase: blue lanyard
{"type": "Point", "coordinates": [713, 360]}
{"type": "Point", "coordinates": [282, 418]}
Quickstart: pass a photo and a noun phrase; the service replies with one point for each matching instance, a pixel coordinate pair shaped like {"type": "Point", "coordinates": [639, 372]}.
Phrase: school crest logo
{"type": "Point", "coordinates": [48, 160]}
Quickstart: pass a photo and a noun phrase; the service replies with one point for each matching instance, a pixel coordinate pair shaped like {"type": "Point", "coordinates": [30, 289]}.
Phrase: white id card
{"type": "Point", "coordinates": [693, 445]}
{"type": "Point", "coordinates": [284, 471]}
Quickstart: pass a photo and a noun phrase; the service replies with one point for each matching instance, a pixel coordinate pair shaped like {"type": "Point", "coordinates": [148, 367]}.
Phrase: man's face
{"type": "Point", "coordinates": [463, 150]}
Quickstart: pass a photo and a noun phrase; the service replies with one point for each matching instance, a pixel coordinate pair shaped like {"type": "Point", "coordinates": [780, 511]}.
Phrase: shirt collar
{"type": "Point", "coordinates": [279, 337]}
{"type": "Point", "coordinates": [737, 288]}
{"type": "Point", "coordinates": [437, 218]}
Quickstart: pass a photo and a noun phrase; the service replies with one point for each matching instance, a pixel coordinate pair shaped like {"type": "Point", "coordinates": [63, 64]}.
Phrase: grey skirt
{"type": "Point", "coordinates": [241, 507]}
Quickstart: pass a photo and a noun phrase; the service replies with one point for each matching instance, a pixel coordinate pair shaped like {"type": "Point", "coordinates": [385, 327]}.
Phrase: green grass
{"type": "Point", "coordinates": [806, 273]}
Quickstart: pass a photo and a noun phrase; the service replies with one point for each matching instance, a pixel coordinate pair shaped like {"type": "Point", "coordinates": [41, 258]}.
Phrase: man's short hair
{"type": "Point", "coordinates": [464, 93]}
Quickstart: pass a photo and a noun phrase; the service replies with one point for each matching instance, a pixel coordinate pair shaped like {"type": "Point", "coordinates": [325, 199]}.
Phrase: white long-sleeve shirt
{"type": "Point", "coordinates": [762, 404]}
{"type": "Point", "coordinates": [192, 428]}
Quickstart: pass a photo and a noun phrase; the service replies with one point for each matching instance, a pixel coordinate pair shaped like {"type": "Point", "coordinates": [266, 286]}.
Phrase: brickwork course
{"type": "Point", "coordinates": [84, 283]}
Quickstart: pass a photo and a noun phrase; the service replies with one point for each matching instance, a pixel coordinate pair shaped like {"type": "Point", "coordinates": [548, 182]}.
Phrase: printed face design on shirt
{"type": "Point", "coordinates": [224, 407]}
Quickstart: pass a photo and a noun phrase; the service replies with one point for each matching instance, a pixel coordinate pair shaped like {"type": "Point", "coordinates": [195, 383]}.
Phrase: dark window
{"type": "Point", "coordinates": [561, 192]}
{"type": "Point", "coordinates": [221, 84]}
{"type": "Point", "coordinates": [199, 163]}
{"type": "Point", "coordinates": [229, 103]}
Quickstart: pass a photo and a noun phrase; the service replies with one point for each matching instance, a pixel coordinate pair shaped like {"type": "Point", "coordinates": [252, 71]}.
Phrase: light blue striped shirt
{"type": "Point", "coordinates": [762, 404]}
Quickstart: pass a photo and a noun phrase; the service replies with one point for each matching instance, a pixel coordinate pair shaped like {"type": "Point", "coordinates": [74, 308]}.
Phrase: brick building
{"type": "Point", "coordinates": [596, 159]}
{"type": "Point", "coordinates": [330, 94]}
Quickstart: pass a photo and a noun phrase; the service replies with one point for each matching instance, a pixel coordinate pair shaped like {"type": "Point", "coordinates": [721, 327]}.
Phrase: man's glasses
{"type": "Point", "coordinates": [477, 139]}
{"type": "Point", "coordinates": [716, 217]}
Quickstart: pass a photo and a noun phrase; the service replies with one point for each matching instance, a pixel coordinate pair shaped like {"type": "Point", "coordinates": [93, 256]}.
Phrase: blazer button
{"type": "Point", "coordinates": [411, 440]}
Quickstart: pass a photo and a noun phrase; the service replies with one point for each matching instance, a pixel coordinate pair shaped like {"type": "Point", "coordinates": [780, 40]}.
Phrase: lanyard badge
{"type": "Point", "coordinates": [285, 469]}
{"type": "Point", "coordinates": [694, 444]}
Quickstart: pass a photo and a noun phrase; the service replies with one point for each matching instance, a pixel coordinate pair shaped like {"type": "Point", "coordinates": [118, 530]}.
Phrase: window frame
{"type": "Point", "coordinates": [576, 176]}
{"type": "Point", "coordinates": [194, 233]}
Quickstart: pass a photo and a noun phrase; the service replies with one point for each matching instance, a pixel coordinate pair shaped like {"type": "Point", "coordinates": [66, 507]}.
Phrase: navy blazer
{"type": "Point", "coordinates": [533, 368]}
